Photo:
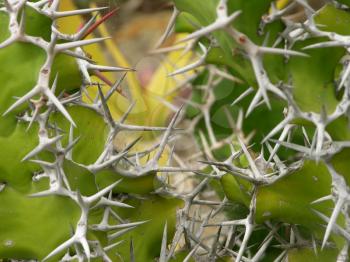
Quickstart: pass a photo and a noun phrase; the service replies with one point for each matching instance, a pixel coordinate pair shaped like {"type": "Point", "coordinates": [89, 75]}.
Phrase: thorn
{"type": "Point", "coordinates": [99, 75]}
{"type": "Point", "coordinates": [72, 142]}
{"type": "Point", "coordinates": [107, 202]}
{"type": "Point", "coordinates": [44, 193]}
{"type": "Point", "coordinates": [295, 147]}
{"type": "Point", "coordinates": [115, 87]}
{"type": "Point", "coordinates": [79, 56]}
{"type": "Point", "coordinates": [106, 110]}
{"type": "Point", "coordinates": [337, 229]}
{"type": "Point", "coordinates": [169, 27]}
{"type": "Point", "coordinates": [110, 247]}
{"type": "Point", "coordinates": [166, 135]}
{"type": "Point", "coordinates": [99, 22]}
{"type": "Point", "coordinates": [344, 76]}
{"type": "Point", "coordinates": [322, 199]}
{"type": "Point", "coordinates": [243, 95]}
{"type": "Point", "coordinates": [333, 220]}
{"type": "Point", "coordinates": [54, 84]}
{"type": "Point", "coordinates": [98, 227]}
{"type": "Point", "coordinates": [41, 147]}
{"type": "Point", "coordinates": [101, 68]}
{"type": "Point", "coordinates": [127, 112]}
{"type": "Point", "coordinates": [119, 233]}
{"type": "Point", "coordinates": [60, 248]}
{"type": "Point", "coordinates": [194, 65]}
{"type": "Point", "coordinates": [79, 43]}
{"type": "Point", "coordinates": [23, 99]}
{"type": "Point", "coordinates": [325, 44]}
{"type": "Point", "coordinates": [81, 34]}
{"type": "Point", "coordinates": [263, 84]}
{"type": "Point", "coordinates": [132, 253]}
{"type": "Point", "coordinates": [218, 24]}
{"type": "Point", "coordinates": [252, 164]}
{"type": "Point", "coordinates": [283, 135]}
{"type": "Point", "coordinates": [254, 104]}
{"type": "Point", "coordinates": [279, 51]}
{"type": "Point", "coordinates": [163, 250]}
{"type": "Point", "coordinates": [191, 253]}
{"type": "Point", "coordinates": [276, 129]}
{"type": "Point", "coordinates": [102, 192]}
{"type": "Point", "coordinates": [58, 105]}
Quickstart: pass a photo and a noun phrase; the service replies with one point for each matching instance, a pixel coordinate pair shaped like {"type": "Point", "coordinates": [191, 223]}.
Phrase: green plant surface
{"type": "Point", "coordinates": [314, 84]}
{"type": "Point", "coordinates": [91, 130]}
{"type": "Point", "coordinates": [332, 19]}
{"type": "Point", "coordinates": [19, 174]}
{"type": "Point", "coordinates": [235, 190]}
{"type": "Point", "coordinates": [24, 233]}
{"type": "Point", "coordinates": [145, 210]}
{"type": "Point", "coordinates": [289, 199]}
{"type": "Point", "coordinates": [308, 255]}
{"type": "Point", "coordinates": [4, 20]}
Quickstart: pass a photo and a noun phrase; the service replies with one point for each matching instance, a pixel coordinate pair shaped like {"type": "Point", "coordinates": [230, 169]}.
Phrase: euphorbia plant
{"type": "Point", "coordinates": [286, 89]}
{"type": "Point", "coordinates": [65, 184]}
{"type": "Point", "coordinates": [267, 120]}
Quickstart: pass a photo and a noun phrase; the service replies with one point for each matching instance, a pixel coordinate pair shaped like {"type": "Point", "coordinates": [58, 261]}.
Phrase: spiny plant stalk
{"type": "Point", "coordinates": [67, 193]}
{"type": "Point", "coordinates": [269, 109]}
